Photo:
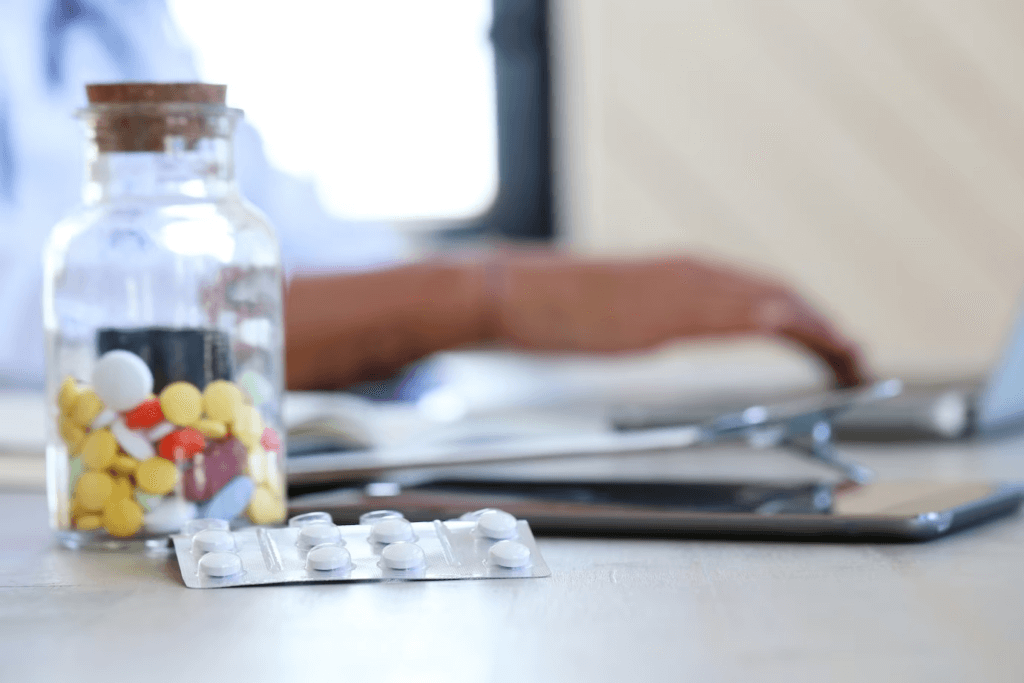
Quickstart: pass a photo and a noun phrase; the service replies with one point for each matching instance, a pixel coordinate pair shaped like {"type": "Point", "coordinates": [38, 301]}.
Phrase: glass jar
{"type": "Point", "coordinates": [162, 309]}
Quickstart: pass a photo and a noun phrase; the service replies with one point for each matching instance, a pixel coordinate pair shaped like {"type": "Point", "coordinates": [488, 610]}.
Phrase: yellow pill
{"type": "Point", "coordinates": [248, 426]}
{"type": "Point", "coordinates": [87, 407]}
{"type": "Point", "coordinates": [122, 518]}
{"type": "Point", "coordinates": [93, 491]}
{"type": "Point", "coordinates": [88, 522]}
{"type": "Point", "coordinates": [72, 434]}
{"type": "Point", "coordinates": [122, 489]}
{"type": "Point", "coordinates": [125, 464]}
{"type": "Point", "coordinates": [99, 449]}
{"type": "Point", "coordinates": [221, 400]}
{"type": "Point", "coordinates": [75, 508]}
{"type": "Point", "coordinates": [265, 507]}
{"type": "Point", "coordinates": [156, 475]}
{"type": "Point", "coordinates": [68, 394]}
{"type": "Point", "coordinates": [211, 429]}
{"type": "Point", "coordinates": [181, 403]}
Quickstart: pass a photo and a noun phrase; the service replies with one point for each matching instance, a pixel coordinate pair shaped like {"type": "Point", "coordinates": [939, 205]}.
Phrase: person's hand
{"type": "Point", "coordinates": [550, 302]}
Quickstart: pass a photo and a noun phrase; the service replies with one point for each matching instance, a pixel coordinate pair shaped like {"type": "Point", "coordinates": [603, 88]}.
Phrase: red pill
{"type": "Point", "coordinates": [182, 444]}
{"type": "Point", "coordinates": [269, 440]}
{"type": "Point", "coordinates": [145, 415]}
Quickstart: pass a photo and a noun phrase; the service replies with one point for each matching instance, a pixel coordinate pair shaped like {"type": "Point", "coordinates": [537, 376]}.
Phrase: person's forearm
{"type": "Point", "coordinates": [346, 328]}
{"type": "Point", "coordinates": [342, 329]}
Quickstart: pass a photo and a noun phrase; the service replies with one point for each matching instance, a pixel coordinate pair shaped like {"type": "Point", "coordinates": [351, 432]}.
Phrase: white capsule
{"type": "Point", "coordinates": [326, 558]}
{"type": "Point", "coordinates": [104, 419]}
{"type": "Point", "coordinates": [134, 444]}
{"type": "Point", "coordinates": [213, 540]}
{"type": "Point", "coordinates": [160, 431]}
{"type": "Point", "coordinates": [316, 533]}
{"type": "Point", "coordinates": [509, 554]}
{"type": "Point", "coordinates": [220, 564]}
{"type": "Point", "coordinates": [496, 524]}
{"type": "Point", "coordinates": [392, 530]}
{"type": "Point", "coordinates": [122, 380]}
{"type": "Point", "coordinates": [402, 555]}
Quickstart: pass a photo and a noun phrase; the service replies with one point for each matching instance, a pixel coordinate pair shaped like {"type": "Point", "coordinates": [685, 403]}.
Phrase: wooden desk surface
{"type": "Point", "coordinates": [614, 610]}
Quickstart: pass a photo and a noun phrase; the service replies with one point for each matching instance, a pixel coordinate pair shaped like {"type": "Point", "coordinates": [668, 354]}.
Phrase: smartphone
{"type": "Point", "coordinates": [897, 511]}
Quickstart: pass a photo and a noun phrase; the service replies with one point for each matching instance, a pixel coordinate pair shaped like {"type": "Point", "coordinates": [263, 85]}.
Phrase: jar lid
{"type": "Point", "coordinates": [132, 93]}
{"type": "Point", "coordinates": [145, 117]}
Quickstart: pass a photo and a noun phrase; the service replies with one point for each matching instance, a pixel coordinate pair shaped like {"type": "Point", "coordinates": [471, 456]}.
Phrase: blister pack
{"type": "Point", "coordinates": [384, 546]}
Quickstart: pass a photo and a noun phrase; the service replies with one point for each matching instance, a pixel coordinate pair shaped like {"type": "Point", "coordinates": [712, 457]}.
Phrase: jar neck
{"type": "Point", "coordinates": [160, 152]}
{"type": "Point", "coordinates": [206, 171]}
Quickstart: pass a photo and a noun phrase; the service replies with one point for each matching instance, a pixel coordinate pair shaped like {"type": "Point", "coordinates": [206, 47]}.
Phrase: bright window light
{"type": "Point", "coordinates": [388, 106]}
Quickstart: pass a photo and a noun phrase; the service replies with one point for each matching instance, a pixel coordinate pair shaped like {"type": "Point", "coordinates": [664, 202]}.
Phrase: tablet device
{"type": "Point", "coordinates": [898, 511]}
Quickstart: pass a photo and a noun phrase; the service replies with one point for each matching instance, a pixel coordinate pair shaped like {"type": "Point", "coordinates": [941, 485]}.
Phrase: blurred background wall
{"type": "Point", "coordinates": [870, 151]}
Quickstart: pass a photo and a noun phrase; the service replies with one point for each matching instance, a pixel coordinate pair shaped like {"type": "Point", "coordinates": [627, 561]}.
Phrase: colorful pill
{"type": "Point", "coordinates": [145, 415]}
{"type": "Point", "coordinates": [122, 518]}
{"type": "Point", "coordinates": [181, 403]}
{"type": "Point", "coordinates": [122, 380]}
{"type": "Point", "coordinates": [156, 475]}
{"type": "Point", "coordinates": [99, 449]}
{"type": "Point", "coordinates": [122, 488]}
{"type": "Point", "coordinates": [93, 491]}
{"type": "Point", "coordinates": [182, 444]}
{"type": "Point", "coordinates": [230, 501]}
{"type": "Point", "coordinates": [269, 440]}
{"type": "Point", "coordinates": [248, 426]}
{"type": "Point", "coordinates": [67, 395]}
{"type": "Point", "coordinates": [213, 470]}
{"type": "Point", "coordinates": [89, 522]}
{"type": "Point", "coordinates": [221, 400]}
{"type": "Point", "coordinates": [134, 444]}
{"type": "Point", "coordinates": [160, 431]}
{"type": "Point", "coordinates": [87, 408]}
{"type": "Point", "coordinates": [104, 419]}
{"type": "Point", "coordinates": [265, 507]}
{"type": "Point", "coordinates": [213, 429]}
{"type": "Point", "coordinates": [125, 465]}
{"type": "Point", "coordinates": [72, 434]}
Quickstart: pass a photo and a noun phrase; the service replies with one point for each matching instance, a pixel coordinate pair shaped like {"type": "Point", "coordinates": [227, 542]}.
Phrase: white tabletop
{"type": "Point", "coordinates": [613, 610]}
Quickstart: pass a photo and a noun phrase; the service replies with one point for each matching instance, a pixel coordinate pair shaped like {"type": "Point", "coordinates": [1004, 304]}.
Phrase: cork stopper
{"type": "Point", "coordinates": [133, 93]}
{"type": "Point", "coordinates": [143, 117]}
